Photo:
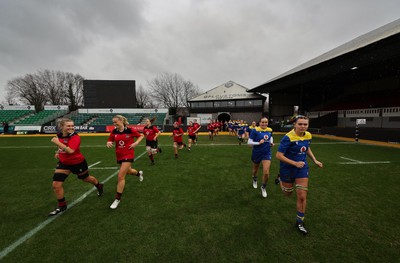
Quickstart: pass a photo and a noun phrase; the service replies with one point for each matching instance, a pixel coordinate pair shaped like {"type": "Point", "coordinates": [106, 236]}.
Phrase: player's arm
{"type": "Point", "coordinates": [110, 141]}
{"type": "Point", "coordinates": [311, 155]}
{"type": "Point", "coordinates": [62, 146]}
{"type": "Point", "coordinates": [156, 136]}
{"type": "Point", "coordinates": [281, 157]}
{"type": "Point", "coordinates": [251, 142]}
{"type": "Point", "coordinates": [140, 137]}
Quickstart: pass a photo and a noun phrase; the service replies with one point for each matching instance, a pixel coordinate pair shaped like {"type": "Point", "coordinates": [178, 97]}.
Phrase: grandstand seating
{"type": "Point", "coordinates": [40, 118]}
{"type": "Point", "coordinates": [81, 118]}
{"type": "Point", "coordinates": [12, 115]}
{"type": "Point", "coordinates": [106, 118]}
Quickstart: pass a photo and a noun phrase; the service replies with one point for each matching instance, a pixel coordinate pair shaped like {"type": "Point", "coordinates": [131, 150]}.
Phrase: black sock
{"type": "Point", "coordinates": [62, 202]}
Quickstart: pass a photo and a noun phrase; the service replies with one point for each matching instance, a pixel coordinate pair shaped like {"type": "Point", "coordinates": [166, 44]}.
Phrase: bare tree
{"type": "Point", "coordinates": [142, 97]}
{"type": "Point", "coordinates": [28, 91]}
{"type": "Point", "coordinates": [51, 83]}
{"type": "Point", "coordinates": [189, 91]}
{"type": "Point", "coordinates": [47, 87]}
{"type": "Point", "coordinates": [171, 90]}
{"type": "Point", "coordinates": [74, 90]}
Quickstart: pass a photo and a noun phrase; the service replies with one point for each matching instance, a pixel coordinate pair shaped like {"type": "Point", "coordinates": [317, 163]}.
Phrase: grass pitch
{"type": "Point", "coordinates": [200, 207]}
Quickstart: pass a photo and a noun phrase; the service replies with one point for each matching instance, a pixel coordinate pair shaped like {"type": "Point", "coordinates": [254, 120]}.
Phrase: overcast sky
{"type": "Point", "coordinates": [208, 42]}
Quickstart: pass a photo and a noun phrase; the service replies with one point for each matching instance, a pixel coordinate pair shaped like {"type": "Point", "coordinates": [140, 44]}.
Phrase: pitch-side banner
{"type": "Point", "coordinates": [80, 128]}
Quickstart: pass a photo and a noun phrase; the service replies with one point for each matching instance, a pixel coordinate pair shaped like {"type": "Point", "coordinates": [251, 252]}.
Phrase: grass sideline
{"type": "Point", "coordinates": [201, 207]}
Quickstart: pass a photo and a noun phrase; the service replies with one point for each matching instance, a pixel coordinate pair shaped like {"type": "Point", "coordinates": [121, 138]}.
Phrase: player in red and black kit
{"type": "Point", "coordinates": [191, 130]}
{"type": "Point", "coordinates": [197, 127]}
{"type": "Point", "coordinates": [211, 128]}
{"type": "Point", "coordinates": [151, 134]}
{"type": "Point", "coordinates": [123, 137]}
{"type": "Point", "coordinates": [177, 134]}
{"type": "Point", "coordinates": [70, 160]}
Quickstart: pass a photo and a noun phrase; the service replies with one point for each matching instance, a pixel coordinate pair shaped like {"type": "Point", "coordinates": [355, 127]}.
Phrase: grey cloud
{"type": "Point", "coordinates": [208, 42]}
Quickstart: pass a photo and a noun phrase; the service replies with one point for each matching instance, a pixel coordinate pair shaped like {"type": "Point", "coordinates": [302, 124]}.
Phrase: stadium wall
{"type": "Point", "coordinates": [375, 134]}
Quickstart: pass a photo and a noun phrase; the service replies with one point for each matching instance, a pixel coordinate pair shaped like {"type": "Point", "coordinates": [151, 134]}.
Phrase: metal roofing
{"type": "Point", "coordinates": [227, 91]}
{"type": "Point", "coordinates": [359, 42]}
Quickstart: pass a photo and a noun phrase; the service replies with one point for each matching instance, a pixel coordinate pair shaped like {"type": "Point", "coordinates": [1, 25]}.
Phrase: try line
{"type": "Point", "coordinates": [32, 232]}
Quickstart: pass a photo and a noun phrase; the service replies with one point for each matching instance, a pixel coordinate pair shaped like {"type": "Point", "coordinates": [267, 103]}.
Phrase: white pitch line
{"type": "Point", "coordinates": [32, 232]}
{"type": "Point", "coordinates": [360, 162]}
{"type": "Point", "coordinates": [364, 162]}
{"type": "Point", "coordinates": [356, 161]}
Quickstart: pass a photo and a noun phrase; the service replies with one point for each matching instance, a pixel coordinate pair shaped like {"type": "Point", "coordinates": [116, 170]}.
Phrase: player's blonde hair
{"type": "Point", "coordinates": [62, 121]}
{"type": "Point", "coordinates": [122, 118]}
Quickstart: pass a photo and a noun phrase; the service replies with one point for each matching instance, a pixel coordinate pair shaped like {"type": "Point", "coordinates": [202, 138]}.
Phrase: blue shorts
{"type": "Point", "coordinates": [289, 175]}
{"type": "Point", "coordinates": [258, 157]}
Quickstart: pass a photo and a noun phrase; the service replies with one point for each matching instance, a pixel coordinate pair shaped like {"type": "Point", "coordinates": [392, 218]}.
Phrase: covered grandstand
{"type": "Point", "coordinates": [361, 75]}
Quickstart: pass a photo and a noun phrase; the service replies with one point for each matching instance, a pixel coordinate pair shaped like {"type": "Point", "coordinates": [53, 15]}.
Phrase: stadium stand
{"type": "Point", "coordinates": [41, 117]}
{"type": "Point", "coordinates": [14, 115]}
{"type": "Point", "coordinates": [106, 118]}
{"type": "Point", "coordinates": [81, 118]}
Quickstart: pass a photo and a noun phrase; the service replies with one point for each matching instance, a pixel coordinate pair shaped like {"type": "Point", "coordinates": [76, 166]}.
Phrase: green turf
{"type": "Point", "coordinates": [201, 207]}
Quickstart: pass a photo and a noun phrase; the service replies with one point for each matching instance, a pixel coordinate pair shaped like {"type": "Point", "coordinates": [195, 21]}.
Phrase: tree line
{"type": "Point", "coordinates": [49, 87]}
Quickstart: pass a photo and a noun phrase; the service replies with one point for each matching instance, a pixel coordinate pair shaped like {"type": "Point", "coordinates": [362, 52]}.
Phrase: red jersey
{"type": "Point", "coordinates": [210, 126]}
{"type": "Point", "coordinates": [72, 141]}
{"type": "Point", "coordinates": [177, 131]}
{"type": "Point", "coordinates": [150, 132]}
{"type": "Point", "coordinates": [196, 126]}
{"type": "Point", "coordinates": [122, 142]}
{"type": "Point", "coordinates": [191, 130]}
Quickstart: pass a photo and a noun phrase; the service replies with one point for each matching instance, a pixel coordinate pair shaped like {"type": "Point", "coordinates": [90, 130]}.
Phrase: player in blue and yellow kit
{"type": "Point", "coordinates": [292, 152]}
{"type": "Point", "coordinates": [241, 131]}
{"type": "Point", "coordinates": [261, 140]}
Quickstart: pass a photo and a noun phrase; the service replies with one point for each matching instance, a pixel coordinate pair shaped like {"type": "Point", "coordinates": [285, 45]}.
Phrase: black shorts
{"type": "Point", "coordinates": [125, 161]}
{"type": "Point", "coordinates": [74, 168]}
{"type": "Point", "coordinates": [193, 137]}
{"type": "Point", "coordinates": [152, 144]}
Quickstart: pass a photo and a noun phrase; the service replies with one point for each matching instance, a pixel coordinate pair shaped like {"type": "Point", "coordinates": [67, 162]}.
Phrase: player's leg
{"type": "Point", "coordinates": [176, 150]}
{"type": "Point", "coordinates": [123, 170]}
{"type": "Point", "coordinates": [254, 172]}
{"type": "Point", "coordinates": [85, 177]}
{"type": "Point", "coordinates": [266, 167]}
{"type": "Point", "coordinates": [287, 181]}
{"type": "Point", "coordinates": [301, 192]}
{"type": "Point", "coordinates": [135, 172]}
{"type": "Point", "coordinates": [150, 153]}
{"type": "Point", "coordinates": [58, 179]}
{"type": "Point", "coordinates": [190, 141]}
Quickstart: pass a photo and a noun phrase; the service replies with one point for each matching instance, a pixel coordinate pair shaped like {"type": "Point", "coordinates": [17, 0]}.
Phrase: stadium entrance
{"type": "Point", "coordinates": [229, 101]}
{"type": "Point", "coordinates": [223, 117]}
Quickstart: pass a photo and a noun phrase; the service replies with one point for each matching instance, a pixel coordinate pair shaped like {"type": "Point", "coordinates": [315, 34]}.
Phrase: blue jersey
{"type": "Point", "coordinates": [259, 134]}
{"type": "Point", "coordinates": [250, 128]}
{"type": "Point", "coordinates": [242, 129]}
{"type": "Point", "coordinates": [295, 147]}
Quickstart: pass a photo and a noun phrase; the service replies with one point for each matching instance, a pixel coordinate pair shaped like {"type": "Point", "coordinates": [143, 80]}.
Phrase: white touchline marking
{"type": "Point", "coordinates": [32, 232]}
{"type": "Point", "coordinates": [356, 161]}
{"type": "Point", "coordinates": [364, 162]}
{"type": "Point", "coordinates": [360, 162]}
